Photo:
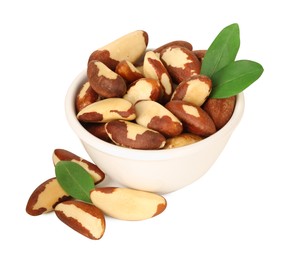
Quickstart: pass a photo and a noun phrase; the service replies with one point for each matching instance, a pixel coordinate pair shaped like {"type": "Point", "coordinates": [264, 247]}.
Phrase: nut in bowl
{"type": "Point", "coordinates": [157, 119]}
{"type": "Point", "coordinates": [152, 120]}
{"type": "Point", "coordinates": [160, 171]}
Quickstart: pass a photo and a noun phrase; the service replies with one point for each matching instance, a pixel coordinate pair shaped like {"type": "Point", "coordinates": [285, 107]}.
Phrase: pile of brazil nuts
{"type": "Point", "coordinates": [88, 219]}
{"type": "Point", "coordinates": [149, 99]}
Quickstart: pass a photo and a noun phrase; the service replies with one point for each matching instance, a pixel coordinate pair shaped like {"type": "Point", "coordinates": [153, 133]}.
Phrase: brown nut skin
{"type": "Point", "coordinates": [144, 88]}
{"type": "Point", "coordinates": [180, 62]}
{"type": "Point", "coordinates": [128, 204]}
{"type": "Point", "coordinates": [195, 90]}
{"type": "Point", "coordinates": [220, 109]}
{"type": "Point", "coordinates": [200, 54]}
{"type": "Point", "coordinates": [82, 217]}
{"type": "Point", "coordinates": [179, 43]}
{"type": "Point", "coordinates": [194, 118]}
{"type": "Point", "coordinates": [132, 135]}
{"type": "Point", "coordinates": [182, 140]}
{"type": "Point", "coordinates": [98, 130]}
{"type": "Point", "coordinates": [104, 81]}
{"type": "Point", "coordinates": [63, 155]}
{"type": "Point", "coordinates": [128, 71]}
{"type": "Point", "coordinates": [106, 110]}
{"type": "Point", "coordinates": [45, 197]}
{"type": "Point", "coordinates": [154, 68]}
{"type": "Point", "coordinates": [155, 116]}
{"type": "Point", "coordinates": [128, 47]}
{"type": "Point", "coordinates": [85, 96]}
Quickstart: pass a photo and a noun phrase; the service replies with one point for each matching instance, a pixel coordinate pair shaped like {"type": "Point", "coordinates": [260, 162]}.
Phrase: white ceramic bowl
{"type": "Point", "coordinates": [160, 171]}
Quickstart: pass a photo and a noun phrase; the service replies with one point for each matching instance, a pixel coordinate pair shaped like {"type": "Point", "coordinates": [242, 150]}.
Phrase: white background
{"type": "Point", "coordinates": [238, 210]}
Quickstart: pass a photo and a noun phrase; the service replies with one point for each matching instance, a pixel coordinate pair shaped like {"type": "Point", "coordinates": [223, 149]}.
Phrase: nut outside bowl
{"type": "Point", "coordinates": [159, 171]}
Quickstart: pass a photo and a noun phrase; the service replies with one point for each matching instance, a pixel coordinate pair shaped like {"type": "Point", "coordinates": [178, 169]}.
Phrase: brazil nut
{"type": "Point", "coordinates": [194, 118]}
{"type": "Point", "coordinates": [132, 135]}
{"type": "Point", "coordinates": [179, 43]}
{"type": "Point", "coordinates": [82, 217]}
{"type": "Point", "coordinates": [128, 47]}
{"type": "Point", "coordinates": [220, 109]}
{"type": "Point", "coordinates": [98, 130]}
{"type": "Point", "coordinates": [182, 140]}
{"type": "Point", "coordinates": [144, 88]}
{"type": "Point", "coordinates": [64, 155]}
{"type": "Point", "coordinates": [128, 71]}
{"type": "Point", "coordinates": [195, 90]}
{"type": "Point", "coordinates": [106, 110]}
{"type": "Point", "coordinates": [86, 96]}
{"type": "Point", "coordinates": [128, 204]}
{"type": "Point", "coordinates": [155, 116]}
{"type": "Point", "coordinates": [45, 197]}
{"type": "Point", "coordinates": [104, 81]}
{"type": "Point", "coordinates": [154, 68]}
{"type": "Point", "coordinates": [180, 62]}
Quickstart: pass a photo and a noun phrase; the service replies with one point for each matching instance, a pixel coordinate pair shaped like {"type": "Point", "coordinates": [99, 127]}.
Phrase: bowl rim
{"type": "Point", "coordinates": [137, 154]}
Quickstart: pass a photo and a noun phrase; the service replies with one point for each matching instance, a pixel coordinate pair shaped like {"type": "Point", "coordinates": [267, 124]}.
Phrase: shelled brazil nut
{"type": "Point", "coordinates": [167, 76]}
{"type": "Point", "coordinates": [76, 176]}
{"type": "Point", "coordinates": [63, 155]}
{"type": "Point", "coordinates": [84, 218]}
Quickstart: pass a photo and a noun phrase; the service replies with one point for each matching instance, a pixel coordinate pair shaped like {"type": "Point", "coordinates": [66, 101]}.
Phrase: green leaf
{"type": "Point", "coordinates": [74, 180]}
{"type": "Point", "coordinates": [234, 78]}
{"type": "Point", "coordinates": [222, 51]}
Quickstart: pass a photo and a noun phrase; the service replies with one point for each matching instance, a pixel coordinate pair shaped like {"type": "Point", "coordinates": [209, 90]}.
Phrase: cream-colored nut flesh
{"type": "Point", "coordinates": [180, 62]}
{"type": "Point", "coordinates": [104, 71]}
{"type": "Point", "coordinates": [144, 88]}
{"type": "Point", "coordinates": [128, 47]}
{"type": "Point", "coordinates": [45, 197]}
{"type": "Point", "coordinates": [106, 110]}
{"type": "Point", "coordinates": [182, 140]}
{"type": "Point", "coordinates": [175, 57]}
{"type": "Point", "coordinates": [153, 115]}
{"type": "Point", "coordinates": [154, 68]}
{"type": "Point", "coordinates": [191, 110]}
{"type": "Point", "coordinates": [84, 218]}
{"type": "Point", "coordinates": [197, 92]}
{"type": "Point", "coordinates": [194, 90]}
{"type": "Point", "coordinates": [127, 204]}
{"type": "Point", "coordinates": [148, 109]}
